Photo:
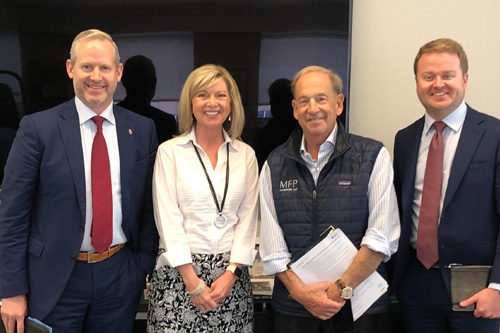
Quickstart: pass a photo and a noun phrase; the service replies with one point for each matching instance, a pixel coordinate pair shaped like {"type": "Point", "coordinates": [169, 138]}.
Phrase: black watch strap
{"type": "Point", "coordinates": [235, 270]}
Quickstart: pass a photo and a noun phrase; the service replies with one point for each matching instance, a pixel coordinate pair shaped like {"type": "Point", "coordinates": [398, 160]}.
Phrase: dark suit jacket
{"type": "Point", "coordinates": [166, 125]}
{"type": "Point", "coordinates": [42, 211]}
{"type": "Point", "coordinates": [470, 218]}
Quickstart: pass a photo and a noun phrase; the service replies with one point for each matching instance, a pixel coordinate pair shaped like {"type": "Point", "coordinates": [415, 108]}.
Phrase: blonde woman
{"type": "Point", "coordinates": [205, 190]}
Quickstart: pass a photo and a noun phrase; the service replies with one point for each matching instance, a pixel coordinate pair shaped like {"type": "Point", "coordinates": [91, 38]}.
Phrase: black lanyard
{"type": "Point", "coordinates": [221, 207]}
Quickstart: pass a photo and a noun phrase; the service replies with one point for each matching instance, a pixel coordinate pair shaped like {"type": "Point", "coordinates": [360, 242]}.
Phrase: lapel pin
{"type": "Point", "coordinates": [129, 131]}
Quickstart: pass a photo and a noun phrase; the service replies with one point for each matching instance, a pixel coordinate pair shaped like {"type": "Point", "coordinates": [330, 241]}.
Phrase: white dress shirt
{"type": "Point", "coordinates": [451, 134]}
{"type": "Point", "coordinates": [185, 209]}
{"type": "Point", "coordinates": [383, 230]}
{"type": "Point", "coordinates": [88, 130]}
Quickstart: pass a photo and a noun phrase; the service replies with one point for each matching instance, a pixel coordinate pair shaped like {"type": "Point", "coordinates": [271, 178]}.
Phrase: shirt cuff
{"type": "Point", "coordinates": [242, 255]}
{"type": "Point", "coordinates": [377, 243]}
{"type": "Point", "coordinates": [493, 285]}
{"type": "Point", "coordinates": [275, 266]}
{"type": "Point", "coordinates": [174, 258]}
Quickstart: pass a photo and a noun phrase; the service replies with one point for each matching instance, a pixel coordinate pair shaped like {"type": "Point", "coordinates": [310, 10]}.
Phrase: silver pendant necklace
{"type": "Point", "coordinates": [220, 220]}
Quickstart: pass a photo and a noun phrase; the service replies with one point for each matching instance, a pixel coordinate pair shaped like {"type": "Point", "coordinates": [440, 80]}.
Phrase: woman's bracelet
{"type": "Point", "coordinates": [199, 288]}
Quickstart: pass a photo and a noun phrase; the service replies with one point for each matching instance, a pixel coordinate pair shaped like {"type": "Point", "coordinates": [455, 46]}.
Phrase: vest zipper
{"type": "Point", "coordinates": [315, 215]}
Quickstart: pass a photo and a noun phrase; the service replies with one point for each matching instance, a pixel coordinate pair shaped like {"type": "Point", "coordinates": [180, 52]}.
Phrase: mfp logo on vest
{"type": "Point", "coordinates": [288, 185]}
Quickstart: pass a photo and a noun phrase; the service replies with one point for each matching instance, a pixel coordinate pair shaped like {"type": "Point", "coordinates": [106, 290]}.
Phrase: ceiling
{"type": "Point", "coordinates": [113, 3]}
{"type": "Point", "coordinates": [156, 16]}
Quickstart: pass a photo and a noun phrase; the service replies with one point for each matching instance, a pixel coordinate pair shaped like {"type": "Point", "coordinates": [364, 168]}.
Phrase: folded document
{"type": "Point", "coordinates": [328, 259]}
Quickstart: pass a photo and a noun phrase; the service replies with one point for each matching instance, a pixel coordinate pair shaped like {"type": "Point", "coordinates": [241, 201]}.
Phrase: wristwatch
{"type": "Point", "coordinates": [345, 291]}
{"type": "Point", "coordinates": [235, 270]}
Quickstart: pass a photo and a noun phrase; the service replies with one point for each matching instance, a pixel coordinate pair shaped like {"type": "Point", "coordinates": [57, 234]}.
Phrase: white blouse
{"type": "Point", "coordinates": [184, 207]}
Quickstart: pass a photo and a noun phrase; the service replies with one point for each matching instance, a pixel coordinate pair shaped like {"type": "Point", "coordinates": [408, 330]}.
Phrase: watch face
{"type": "Point", "coordinates": [347, 293]}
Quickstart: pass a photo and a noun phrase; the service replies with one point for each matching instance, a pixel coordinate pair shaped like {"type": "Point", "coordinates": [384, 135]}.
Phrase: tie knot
{"type": "Point", "coordinates": [438, 125]}
{"type": "Point", "coordinates": [98, 120]}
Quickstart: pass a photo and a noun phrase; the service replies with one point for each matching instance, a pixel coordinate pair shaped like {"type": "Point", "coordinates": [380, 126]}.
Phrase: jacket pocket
{"type": "Point", "coordinates": [35, 247]}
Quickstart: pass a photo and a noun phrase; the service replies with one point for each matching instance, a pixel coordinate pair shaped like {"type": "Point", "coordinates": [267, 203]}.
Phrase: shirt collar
{"type": "Point", "coordinates": [85, 113]}
{"type": "Point", "coordinates": [454, 120]}
{"type": "Point", "coordinates": [191, 136]}
{"type": "Point", "coordinates": [330, 140]}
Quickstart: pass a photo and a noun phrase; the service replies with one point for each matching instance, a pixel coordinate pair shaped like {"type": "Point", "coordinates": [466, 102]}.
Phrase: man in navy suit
{"type": "Point", "coordinates": [49, 267]}
{"type": "Point", "coordinates": [469, 207]}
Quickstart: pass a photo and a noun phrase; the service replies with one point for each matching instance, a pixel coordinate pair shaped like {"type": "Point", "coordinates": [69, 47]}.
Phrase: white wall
{"type": "Point", "coordinates": [386, 36]}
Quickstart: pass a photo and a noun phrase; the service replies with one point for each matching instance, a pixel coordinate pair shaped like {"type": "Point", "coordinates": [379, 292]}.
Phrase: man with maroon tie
{"type": "Point", "coordinates": [77, 233]}
{"type": "Point", "coordinates": [447, 179]}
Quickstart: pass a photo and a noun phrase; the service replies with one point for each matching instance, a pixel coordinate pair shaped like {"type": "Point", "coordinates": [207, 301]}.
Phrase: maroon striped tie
{"type": "Point", "coordinates": [102, 200]}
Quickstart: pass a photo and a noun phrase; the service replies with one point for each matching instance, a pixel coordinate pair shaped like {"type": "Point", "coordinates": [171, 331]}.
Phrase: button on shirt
{"type": "Point", "coordinates": [383, 230]}
{"type": "Point", "coordinates": [185, 209]}
{"type": "Point", "coordinates": [88, 130]}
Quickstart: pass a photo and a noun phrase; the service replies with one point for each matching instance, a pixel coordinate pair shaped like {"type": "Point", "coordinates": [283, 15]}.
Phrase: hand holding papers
{"type": "Point", "coordinates": [328, 260]}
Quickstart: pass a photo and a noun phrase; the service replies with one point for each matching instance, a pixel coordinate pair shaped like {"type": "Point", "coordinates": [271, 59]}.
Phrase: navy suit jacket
{"type": "Point", "coordinates": [470, 217]}
{"type": "Point", "coordinates": [42, 210]}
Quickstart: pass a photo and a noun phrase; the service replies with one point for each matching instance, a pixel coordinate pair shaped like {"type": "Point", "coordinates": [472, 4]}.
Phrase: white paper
{"type": "Point", "coordinates": [328, 261]}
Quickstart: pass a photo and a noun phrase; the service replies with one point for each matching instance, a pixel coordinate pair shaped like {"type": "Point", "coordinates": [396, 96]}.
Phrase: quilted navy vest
{"type": "Point", "coordinates": [339, 199]}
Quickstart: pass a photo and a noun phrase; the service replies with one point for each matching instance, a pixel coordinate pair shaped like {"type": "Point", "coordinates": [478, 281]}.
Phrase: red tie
{"type": "Point", "coordinates": [102, 201]}
{"type": "Point", "coordinates": [427, 235]}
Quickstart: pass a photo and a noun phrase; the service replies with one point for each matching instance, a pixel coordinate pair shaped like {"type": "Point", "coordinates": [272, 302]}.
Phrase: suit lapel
{"type": "Point", "coordinates": [411, 146]}
{"type": "Point", "coordinates": [471, 135]}
{"type": "Point", "coordinates": [125, 132]}
{"type": "Point", "coordinates": [69, 127]}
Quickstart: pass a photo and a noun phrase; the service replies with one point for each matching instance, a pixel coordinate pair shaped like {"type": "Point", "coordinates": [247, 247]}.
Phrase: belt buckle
{"type": "Point", "coordinates": [89, 261]}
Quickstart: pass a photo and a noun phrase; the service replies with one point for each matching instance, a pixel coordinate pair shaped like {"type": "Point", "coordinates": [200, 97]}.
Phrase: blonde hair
{"type": "Point", "coordinates": [93, 34]}
{"type": "Point", "coordinates": [443, 45]}
{"type": "Point", "coordinates": [202, 78]}
{"type": "Point", "coordinates": [334, 78]}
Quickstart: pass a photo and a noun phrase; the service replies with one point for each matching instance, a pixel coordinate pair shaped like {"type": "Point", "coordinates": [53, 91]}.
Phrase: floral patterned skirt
{"type": "Point", "coordinates": [171, 310]}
